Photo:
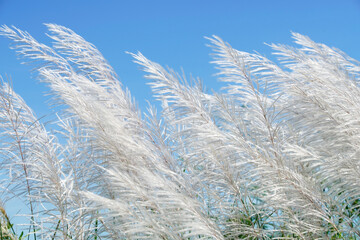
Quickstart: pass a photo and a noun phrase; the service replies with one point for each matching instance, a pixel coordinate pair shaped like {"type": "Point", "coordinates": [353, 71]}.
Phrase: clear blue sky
{"type": "Point", "coordinates": [172, 33]}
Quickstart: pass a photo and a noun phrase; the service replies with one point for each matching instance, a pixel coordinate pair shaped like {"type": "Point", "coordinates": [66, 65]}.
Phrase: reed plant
{"type": "Point", "coordinates": [274, 155]}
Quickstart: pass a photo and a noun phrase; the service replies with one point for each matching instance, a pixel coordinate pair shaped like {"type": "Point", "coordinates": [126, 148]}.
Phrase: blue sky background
{"type": "Point", "coordinates": [172, 33]}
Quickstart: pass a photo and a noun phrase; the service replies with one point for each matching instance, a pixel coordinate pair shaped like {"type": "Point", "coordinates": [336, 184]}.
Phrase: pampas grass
{"type": "Point", "coordinates": [274, 155]}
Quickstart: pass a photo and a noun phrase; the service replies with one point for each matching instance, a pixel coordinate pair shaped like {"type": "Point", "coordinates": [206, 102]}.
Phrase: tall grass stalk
{"type": "Point", "coordinates": [273, 155]}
